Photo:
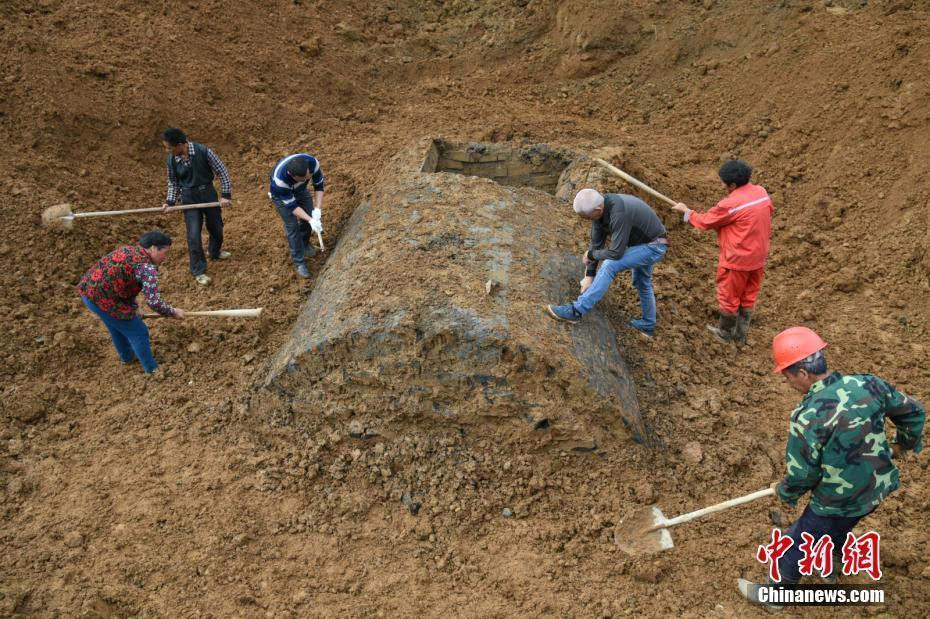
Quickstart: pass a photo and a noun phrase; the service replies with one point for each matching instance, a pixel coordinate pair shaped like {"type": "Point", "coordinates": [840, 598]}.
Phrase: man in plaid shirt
{"type": "Point", "coordinates": [191, 168]}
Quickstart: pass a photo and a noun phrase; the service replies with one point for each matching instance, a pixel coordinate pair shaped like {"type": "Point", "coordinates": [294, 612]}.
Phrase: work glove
{"type": "Point", "coordinates": [316, 220]}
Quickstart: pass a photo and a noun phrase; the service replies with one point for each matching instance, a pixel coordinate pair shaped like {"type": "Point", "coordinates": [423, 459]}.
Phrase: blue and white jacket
{"type": "Point", "coordinates": [282, 186]}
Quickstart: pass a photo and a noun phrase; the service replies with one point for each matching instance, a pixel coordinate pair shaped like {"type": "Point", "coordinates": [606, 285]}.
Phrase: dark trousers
{"type": "Point", "coordinates": [194, 220]}
{"type": "Point", "coordinates": [835, 526]}
{"type": "Point", "coordinates": [297, 230]}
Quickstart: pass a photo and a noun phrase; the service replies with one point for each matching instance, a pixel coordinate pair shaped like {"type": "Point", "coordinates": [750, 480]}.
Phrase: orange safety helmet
{"type": "Point", "coordinates": [794, 344]}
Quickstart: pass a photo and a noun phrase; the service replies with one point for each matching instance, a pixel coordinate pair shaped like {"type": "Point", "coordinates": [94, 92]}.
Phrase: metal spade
{"type": "Point", "coordinates": [646, 531]}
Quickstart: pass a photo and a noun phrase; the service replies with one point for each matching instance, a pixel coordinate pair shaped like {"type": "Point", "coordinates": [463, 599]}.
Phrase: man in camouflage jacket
{"type": "Point", "coordinates": [837, 450]}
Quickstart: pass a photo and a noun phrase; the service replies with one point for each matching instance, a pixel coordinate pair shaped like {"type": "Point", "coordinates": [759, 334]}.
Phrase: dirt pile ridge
{"type": "Point", "coordinates": [456, 339]}
{"type": "Point", "coordinates": [123, 496]}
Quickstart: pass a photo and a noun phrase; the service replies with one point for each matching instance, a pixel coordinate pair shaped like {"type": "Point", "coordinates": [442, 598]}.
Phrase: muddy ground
{"type": "Point", "coordinates": [185, 497]}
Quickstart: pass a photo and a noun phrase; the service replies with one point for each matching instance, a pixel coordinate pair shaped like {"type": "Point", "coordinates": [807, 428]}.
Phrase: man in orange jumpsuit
{"type": "Point", "coordinates": [743, 221]}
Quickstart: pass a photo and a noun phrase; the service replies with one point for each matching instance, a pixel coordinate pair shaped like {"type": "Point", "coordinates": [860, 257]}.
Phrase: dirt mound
{"type": "Point", "coordinates": [461, 339]}
{"type": "Point", "coordinates": [124, 496]}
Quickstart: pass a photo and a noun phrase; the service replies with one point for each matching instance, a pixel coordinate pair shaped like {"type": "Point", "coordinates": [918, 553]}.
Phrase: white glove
{"type": "Point", "coordinates": [316, 220]}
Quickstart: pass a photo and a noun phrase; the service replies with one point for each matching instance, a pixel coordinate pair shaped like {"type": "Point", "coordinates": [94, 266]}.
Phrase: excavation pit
{"type": "Point", "coordinates": [537, 165]}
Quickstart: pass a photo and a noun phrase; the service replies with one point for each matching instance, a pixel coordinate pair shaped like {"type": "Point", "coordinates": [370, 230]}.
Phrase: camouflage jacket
{"type": "Point", "coordinates": [837, 447]}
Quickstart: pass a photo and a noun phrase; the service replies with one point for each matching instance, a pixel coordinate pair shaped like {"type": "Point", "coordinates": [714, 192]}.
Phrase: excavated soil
{"type": "Point", "coordinates": [189, 496]}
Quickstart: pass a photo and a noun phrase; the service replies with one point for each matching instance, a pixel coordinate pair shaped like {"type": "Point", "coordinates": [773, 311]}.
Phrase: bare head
{"type": "Point", "coordinates": [734, 174]}
{"type": "Point", "coordinates": [589, 204]}
{"type": "Point", "coordinates": [156, 244]}
{"type": "Point", "coordinates": [174, 141]}
{"type": "Point", "coordinates": [298, 169]}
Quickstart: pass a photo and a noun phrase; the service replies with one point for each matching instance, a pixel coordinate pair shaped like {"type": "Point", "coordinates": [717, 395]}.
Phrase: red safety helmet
{"type": "Point", "coordinates": [794, 344]}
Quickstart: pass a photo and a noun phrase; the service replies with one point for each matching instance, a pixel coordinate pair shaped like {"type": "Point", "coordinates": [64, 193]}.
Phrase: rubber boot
{"type": "Point", "coordinates": [742, 324]}
{"type": "Point", "coordinates": [726, 332]}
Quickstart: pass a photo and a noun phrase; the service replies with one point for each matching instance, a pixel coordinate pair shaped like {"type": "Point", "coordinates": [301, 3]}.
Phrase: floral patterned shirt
{"type": "Point", "coordinates": [117, 278]}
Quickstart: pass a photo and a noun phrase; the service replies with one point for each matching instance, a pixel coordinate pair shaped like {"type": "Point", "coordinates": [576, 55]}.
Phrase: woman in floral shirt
{"type": "Point", "coordinates": [110, 287]}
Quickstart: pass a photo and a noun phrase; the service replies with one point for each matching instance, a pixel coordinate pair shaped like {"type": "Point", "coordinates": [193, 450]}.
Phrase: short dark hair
{"type": "Point", "coordinates": [735, 172]}
{"type": "Point", "coordinates": [174, 136]}
{"type": "Point", "coordinates": [297, 166]}
{"type": "Point", "coordinates": [815, 364]}
{"type": "Point", "coordinates": [155, 237]}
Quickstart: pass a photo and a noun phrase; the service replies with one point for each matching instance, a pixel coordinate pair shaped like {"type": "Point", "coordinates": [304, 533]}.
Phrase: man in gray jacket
{"type": "Point", "coordinates": [625, 234]}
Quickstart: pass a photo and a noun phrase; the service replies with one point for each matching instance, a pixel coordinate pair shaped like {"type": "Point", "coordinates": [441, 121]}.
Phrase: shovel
{"type": "Point", "coordinates": [61, 214]}
{"type": "Point", "coordinates": [634, 182]}
{"type": "Point", "coordinates": [249, 313]}
{"type": "Point", "coordinates": [646, 531]}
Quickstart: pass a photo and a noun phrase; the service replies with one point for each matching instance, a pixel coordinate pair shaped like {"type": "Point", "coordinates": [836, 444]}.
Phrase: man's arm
{"type": "Point", "coordinates": [280, 192]}
{"type": "Point", "coordinates": [713, 219]}
{"type": "Point", "coordinates": [300, 213]}
{"type": "Point", "coordinates": [908, 417]}
{"type": "Point", "coordinates": [317, 177]}
{"type": "Point", "coordinates": [219, 168]}
{"type": "Point", "coordinates": [620, 228]}
{"type": "Point", "coordinates": [803, 454]}
{"type": "Point", "coordinates": [597, 241]}
{"type": "Point", "coordinates": [172, 195]}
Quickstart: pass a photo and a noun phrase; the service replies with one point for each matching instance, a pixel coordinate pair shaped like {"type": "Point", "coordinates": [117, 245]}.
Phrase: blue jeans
{"type": "Point", "coordinates": [130, 337]}
{"type": "Point", "coordinates": [297, 230]}
{"type": "Point", "coordinates": [638, 258]}
{"type": "Point", "coordinates": [835, 526]}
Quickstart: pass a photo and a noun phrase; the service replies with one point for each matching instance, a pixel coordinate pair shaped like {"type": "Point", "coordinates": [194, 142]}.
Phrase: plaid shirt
{"type": "Point", "coordinates": [216, 164]}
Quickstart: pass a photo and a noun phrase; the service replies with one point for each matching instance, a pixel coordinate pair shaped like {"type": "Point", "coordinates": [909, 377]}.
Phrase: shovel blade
{"type": "Point", "coordinates": [58, 215]}
{"type": "Point", "coordinates": [633, 536]}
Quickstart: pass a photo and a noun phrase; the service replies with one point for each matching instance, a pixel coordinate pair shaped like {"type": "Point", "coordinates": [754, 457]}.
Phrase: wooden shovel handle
{"type": "Point", "coordinates": [634, 182]}
{"type": "Point", "coordinates": [714, 508]}
{"type": "Point", "coordinates": [249, 313]}
{"type": "Point", "coordinates": [187, 207]}
{"type": "Point", "coordinates": [155, 209]}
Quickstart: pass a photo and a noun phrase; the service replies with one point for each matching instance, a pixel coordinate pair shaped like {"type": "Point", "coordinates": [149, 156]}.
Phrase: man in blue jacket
{"type": "Point", "coordinates": [300, 211]}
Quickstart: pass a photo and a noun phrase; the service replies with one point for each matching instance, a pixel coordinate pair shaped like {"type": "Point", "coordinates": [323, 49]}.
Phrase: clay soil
{"type": "Point", "coordinates": [123, 496]}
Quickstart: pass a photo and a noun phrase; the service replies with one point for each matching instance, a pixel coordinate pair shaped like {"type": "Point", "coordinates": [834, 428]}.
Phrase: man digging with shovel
{"type": "Point", "coordinates": [836, 448]}
{"type": "Point", "coordinates": [743, 221]}
{"type": "Point", "coordinates": [109, 290]}
{"type": "Point", "coordinates": [191, 168]}
{"type": "Point", "coordinates": [300, 212]}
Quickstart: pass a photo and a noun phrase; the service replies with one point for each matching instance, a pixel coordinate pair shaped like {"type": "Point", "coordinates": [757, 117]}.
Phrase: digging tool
{"type": "Point", "coordinates": [61, 213]}
{"type": "Point", "coordinates": [249, 313]}
{"type": "Point", "coordinates": [634, 182]}
{"type": "Point", "coordinates": [319, 233]}
{"type": "Point", "coordinates": [646, 531]}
